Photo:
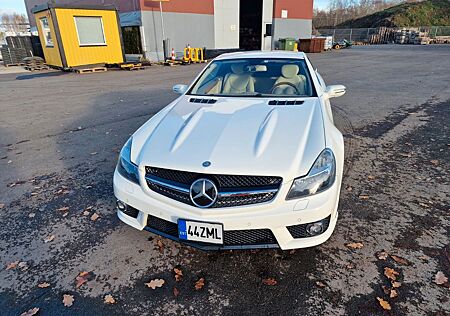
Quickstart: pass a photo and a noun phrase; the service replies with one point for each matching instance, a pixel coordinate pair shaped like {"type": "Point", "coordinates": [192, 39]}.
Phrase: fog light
{"type": "Point", "coordinates": [315, 228]}
{"type": "Point", "coordinates": [121, 206]}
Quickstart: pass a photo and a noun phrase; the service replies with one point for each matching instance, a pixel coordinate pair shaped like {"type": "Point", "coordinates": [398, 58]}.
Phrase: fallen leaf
{"type": "Point", "coordinates": [349, 189]}
{"type": "Point", "coordinates": [81, 278]}
{"type": "Point", "coordinates": [406, 155]}
{"type": "Point", "coordinates": [30, 312]}
{"type": "Point", "coordinates": [269, 281]}
{"type": "Point", "coordinates": [34, 193]}
{"type": "Point", "coordinates": [424, 205]}
{"type": "Point", "coordinates": [68, 300]}
{"type": "Point", "coordinates": [390, 273]}
{"type": "Point", "coordinates": [382, 255]}
{"type": "Point", "coordinates": [363, 197]}
{"type": "Point", "coordinates": [94, 153]}
{"type": "Point", "coordinates": [386, 289]}
{"type": "Point", "coordinates": [440, 278]}
{"type": "Point", "coordinates": [94, 217]}
{"type": "Point", "coordinates": [109, 299]}
{"type": "Point", "coordinates": [160, 245]}
{"type": "Point", "coordinates": [400, 260]}
{"type": "Point", "coordinates": [393, 294]}
{"type": "Point", "coordinates": [31, 215]}
{"type": "Point", "coordinates": [86, 213]}
{"type": "Point", "coordinates": [43, 285]}
{"type": "Point", "coordinates": [178, 274]}
{"type": "Point", "coordinates": [12, 265]}
{"type": "Point", "coordinates": [176, 292]}
{"type": "Point", "coordinates": [200, 284]}
{"type": "Point", "coordinates": [155, 283]}
{"type": "Point", "coordinates": [370, 177]}
{"type": "Point", "coordinates": [320, 284]}
{"type": "Point", "coordinates": [350, 266]}
{"type": "Point", "coordinates": [63, 209]}
{"type": "Point", "coordinates": [49, 238]}
{"type": "Point", "coordinates": [434, 162]}
{"type": "Point", "coordinates": [2, 205]}
{"type": "Point", "coordinates": [355, 245]}
{"type": "Point", "coordinates": [384, 304]}
{"type": "Point", "coordinates": [396, 284]}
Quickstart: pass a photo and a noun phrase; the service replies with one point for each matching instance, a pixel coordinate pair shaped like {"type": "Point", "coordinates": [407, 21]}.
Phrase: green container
{"type": "Point", "coordinates": [287, 43]}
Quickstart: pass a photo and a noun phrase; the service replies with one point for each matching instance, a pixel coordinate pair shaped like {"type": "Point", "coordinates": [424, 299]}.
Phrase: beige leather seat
{"type": "Point", "coordinates": [289, 73]}
{"type": "Point", "coordinates": [238, 81]}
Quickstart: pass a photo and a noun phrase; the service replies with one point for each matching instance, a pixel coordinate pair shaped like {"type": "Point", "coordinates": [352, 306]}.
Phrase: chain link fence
{"type": "Point", "coordinates": [382, 35]}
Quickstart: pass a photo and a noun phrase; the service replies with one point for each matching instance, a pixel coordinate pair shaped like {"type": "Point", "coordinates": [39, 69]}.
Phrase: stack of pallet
{"type": "Point", "coordinates": [411, 36]}
{"type": "Point", "coordinates": [13, 56]}
{"type": "Point", "coordinates": [17, 48]}
{"type": "Point", "coordinates": [35, 63]}
{"type": "Point", "coordinates": [384, 35]}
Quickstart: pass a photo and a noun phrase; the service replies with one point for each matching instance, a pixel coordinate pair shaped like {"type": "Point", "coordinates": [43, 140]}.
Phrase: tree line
{"type": "Point", "coordinates": [13, 23]}
{"type": "Point", "coordinates": [339, 11]}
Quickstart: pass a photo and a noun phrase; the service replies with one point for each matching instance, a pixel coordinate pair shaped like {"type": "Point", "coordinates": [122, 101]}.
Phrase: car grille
{"type": "Point", "coordinates": [231, 238]}
{"type": "Point", "coordinates": [299, 231]}
{"type": "Point", "coordinates": [175, 185]}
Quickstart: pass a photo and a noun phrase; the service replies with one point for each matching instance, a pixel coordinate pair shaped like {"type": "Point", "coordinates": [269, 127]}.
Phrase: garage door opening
{"type": "Point", "coordinates": [250, 24]}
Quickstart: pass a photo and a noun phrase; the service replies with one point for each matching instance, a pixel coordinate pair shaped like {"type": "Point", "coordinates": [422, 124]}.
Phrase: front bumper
{"type": "Point", "coordinates": [275, 216]}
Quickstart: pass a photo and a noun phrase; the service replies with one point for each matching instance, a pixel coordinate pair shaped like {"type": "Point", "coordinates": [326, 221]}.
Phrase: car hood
{"type": "Point", "coordinates": [242, 136]}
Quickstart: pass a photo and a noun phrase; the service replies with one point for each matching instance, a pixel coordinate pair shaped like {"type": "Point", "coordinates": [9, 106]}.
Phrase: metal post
{"type": "Point", "coordinates": [162, 27]}
{"type": "Point", "coordinates": [351, 31]}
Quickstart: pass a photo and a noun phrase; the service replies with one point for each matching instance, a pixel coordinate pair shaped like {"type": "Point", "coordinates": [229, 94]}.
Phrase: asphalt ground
{"type": "Point", "coordinates": [60, 134]}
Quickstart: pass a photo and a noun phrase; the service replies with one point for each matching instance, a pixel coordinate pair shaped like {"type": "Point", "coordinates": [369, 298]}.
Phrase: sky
{"type": "Point", "coordinates": [321, 4]}
{"type": "Point", "coordinates": [10, 6]}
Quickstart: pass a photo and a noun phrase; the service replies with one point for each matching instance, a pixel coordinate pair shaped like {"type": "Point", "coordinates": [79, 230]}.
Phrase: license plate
{"type": "Point", "coordinates": [199, 231]}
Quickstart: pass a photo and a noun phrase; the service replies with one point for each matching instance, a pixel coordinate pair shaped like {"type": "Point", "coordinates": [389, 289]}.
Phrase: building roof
{"type": "Point", "coordinates": [263, 54]}
{"type": "Point", "coordinates": [46, 6]}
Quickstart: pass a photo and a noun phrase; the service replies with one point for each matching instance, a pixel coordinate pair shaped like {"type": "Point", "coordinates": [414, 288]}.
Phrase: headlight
{"type": "Point", "coordinates": [125, 167]}
{"type": "Point", "coordinates": [320, 177]}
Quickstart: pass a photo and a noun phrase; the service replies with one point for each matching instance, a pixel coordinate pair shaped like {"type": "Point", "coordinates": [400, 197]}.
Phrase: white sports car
{"type": "Point", "coordinates": [247, 157]}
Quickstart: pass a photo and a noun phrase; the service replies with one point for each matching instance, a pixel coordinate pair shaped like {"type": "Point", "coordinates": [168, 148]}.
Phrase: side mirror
{"type": "Point", "coordinates": [335, 91]}
{"type": "Point", "coordinates": [180, 88]}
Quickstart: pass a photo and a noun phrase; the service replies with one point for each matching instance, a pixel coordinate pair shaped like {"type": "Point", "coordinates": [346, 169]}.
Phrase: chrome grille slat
{"type": "Point", "coordinates": [233, 190]}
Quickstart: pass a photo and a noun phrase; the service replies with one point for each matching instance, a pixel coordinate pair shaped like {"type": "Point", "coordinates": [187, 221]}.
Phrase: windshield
{"type": "Point", "coordinates": [255, 77]}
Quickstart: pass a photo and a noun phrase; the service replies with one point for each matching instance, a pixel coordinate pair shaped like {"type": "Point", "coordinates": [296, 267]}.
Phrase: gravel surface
{"type": "Point", "coordinates": [60, 134]}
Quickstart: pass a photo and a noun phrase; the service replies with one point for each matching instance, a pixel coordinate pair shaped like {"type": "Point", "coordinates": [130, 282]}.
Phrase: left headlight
{"type": "Point", "coordinates": [320, 177]}
{"type": "Point", "coordinates": [125, 167]}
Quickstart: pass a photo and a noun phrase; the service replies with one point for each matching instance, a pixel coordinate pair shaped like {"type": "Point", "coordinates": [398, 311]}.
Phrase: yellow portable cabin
{"type": "Point", "coordinates": [79, 36]}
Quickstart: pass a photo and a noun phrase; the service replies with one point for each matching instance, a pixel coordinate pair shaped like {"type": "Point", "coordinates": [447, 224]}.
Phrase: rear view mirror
{"type": "Point", "coordinates": [335, 91]}
{"type": "Point", "coordinates": [180, 88]}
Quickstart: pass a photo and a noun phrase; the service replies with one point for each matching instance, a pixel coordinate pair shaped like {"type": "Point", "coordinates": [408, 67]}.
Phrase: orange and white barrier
{"type": "Point", "coordinates": [173, 54]}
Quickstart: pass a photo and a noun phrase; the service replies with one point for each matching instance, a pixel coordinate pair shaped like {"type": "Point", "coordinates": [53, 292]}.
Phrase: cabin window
{"type": "Point", "coordinates": [90, 30]}
{"type": "Point", "coordinates": [47, 33]}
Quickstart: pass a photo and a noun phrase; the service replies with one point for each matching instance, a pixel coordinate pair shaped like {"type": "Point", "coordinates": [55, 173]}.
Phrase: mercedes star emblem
{"type": "Point", "coordinates": [206, 163]}
{"type": "Point", "coordinates": [203, 193]}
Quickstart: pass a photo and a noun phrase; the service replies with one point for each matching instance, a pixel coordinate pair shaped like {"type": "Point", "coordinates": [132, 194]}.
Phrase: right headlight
{"type": "Point", "coordinates": [320, 177]}
{"type": "Point", "coordinates": [125, 167]}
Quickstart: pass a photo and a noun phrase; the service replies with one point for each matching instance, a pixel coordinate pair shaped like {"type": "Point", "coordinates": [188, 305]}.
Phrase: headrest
{"type": "Point", "coordinates": [238, 68]}
{"type": "Point", "coordinates": [289, 71]}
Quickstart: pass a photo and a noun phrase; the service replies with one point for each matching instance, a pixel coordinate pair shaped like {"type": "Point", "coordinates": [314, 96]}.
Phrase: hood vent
{"type": "Point", "coordinates": [286, 102]}
{"type": "Point", "coordinates": [198, 100]}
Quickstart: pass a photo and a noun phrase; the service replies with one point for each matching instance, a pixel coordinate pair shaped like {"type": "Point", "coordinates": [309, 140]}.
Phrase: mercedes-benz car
{"type": "Point", "coordinates": [247, 156]}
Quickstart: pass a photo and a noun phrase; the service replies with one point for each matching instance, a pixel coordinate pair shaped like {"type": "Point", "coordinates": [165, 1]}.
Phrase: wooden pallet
{"type": "Point", "coordinates": [33, 68]}
{"type": "Point", "coordinates": [12, 65]}
{"type": "Point", "coordinates": [170, 62]}
{"type": "Point", "coordinates": [132, 66]}
{"type": "Point", "coordinates": [90, 70]}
